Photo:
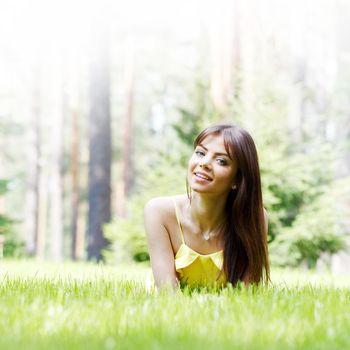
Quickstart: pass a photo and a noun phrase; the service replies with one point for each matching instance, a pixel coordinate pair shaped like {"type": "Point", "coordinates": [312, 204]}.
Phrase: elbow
{"type": "Point", "coordinates": [170, 283]}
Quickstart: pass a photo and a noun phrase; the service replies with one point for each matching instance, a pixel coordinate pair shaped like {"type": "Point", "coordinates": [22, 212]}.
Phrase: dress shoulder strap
{"type": "Point", "coordinates": [178, 221]}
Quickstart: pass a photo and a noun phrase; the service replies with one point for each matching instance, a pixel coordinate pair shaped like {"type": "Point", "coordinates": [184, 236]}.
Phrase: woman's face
{"type": "Point", "coordinates": [210, 169]}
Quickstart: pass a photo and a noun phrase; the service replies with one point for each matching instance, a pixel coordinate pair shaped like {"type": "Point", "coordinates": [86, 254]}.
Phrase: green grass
{"type": "Point", "coordinates": [82, 306]}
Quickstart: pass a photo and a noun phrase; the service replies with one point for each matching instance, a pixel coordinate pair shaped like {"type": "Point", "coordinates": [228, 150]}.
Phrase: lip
{"type": "Point", "coordinates": [200, 178]}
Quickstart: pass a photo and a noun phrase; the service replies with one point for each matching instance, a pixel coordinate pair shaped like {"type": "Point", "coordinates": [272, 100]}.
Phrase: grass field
{"type": "Point", "coordinates": [82, 306]}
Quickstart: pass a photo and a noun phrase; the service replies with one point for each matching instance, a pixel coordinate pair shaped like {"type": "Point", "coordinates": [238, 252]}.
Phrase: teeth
{"type": "Point", "coordinates": [202, 176]}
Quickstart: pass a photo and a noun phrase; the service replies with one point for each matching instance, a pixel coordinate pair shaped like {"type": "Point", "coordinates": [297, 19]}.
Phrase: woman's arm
{"type": "Point", "coordinates": [159, 245]}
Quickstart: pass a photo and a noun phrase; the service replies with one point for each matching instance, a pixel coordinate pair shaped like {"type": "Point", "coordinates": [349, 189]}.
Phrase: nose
{"type": "Point", "coordinates": [204, 163]}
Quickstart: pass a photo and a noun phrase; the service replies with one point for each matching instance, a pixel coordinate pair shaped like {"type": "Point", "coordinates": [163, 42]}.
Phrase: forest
{"type": "Point", "coordinates": [100, 101]}
{"type": "Point", "coordinates": [99, 106]}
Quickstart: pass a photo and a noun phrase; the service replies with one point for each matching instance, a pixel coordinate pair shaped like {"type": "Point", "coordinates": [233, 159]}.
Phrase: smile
{"type": "Point", "coordinates": [202, 176]}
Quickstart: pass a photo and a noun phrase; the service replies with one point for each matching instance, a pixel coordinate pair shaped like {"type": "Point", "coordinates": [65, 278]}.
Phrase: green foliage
{"type": "Point", "coordinates": [193, 119]}
{"type": "Point", "coordinates": [296, 187]}
{"type": "Point", "coordinates": [316, 230]}
{"type": "Point", "coordinates": [297, 174]}
{"type": "Point", "coordinates": [3, 186]}
{"type": "Point", "coordinates": [128, 241]}
{"type": "Point", "coordinates": [290, 184]}
{"type": "Point", "coordinates": [304, 219]}
{"type": "Point", "coordinates": [188, 126]}
{"type": "Point", "coordinates": [13, 246]}
{"type": "Point", "coordinates": [165, 176]}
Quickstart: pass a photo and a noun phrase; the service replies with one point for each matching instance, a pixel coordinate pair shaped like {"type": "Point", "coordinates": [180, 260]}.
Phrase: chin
{"type": "Point", "coordinates": [199, 189]}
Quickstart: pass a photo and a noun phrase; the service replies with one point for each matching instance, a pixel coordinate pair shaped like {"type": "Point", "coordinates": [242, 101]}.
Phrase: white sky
{"type": "Point", "coordinates": [30, 27]}
{"type": "Point", "coordinates": [38, 31]}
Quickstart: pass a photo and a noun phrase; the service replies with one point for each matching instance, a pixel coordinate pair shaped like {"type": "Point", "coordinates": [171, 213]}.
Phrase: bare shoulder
{"type": "Point", "coordinates": [161, 207]}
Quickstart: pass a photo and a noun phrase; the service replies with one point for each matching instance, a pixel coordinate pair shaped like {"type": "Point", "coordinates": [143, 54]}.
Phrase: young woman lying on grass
{"type": "Point", "coordinates": [217, 233]}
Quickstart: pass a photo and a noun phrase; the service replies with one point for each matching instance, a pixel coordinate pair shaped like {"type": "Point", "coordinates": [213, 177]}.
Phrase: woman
{"type": "Point", "coordinates": [217, 233]}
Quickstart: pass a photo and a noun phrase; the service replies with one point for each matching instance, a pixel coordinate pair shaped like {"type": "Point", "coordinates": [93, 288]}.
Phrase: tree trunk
{"type": "Point", "coordinates": [83, 206]}
{"type": "Point", "coordinates": [221, 52]}
{"type": "Point", "coordinates": [34, 169]}
{"type": "Point", "coordinates": [248, 42]}
{"type": "Point", "coordinates": [42, 217]}
{"type": "Point", "coordinates": [100, 146]}
{"type": "Point", "coordinates": [56, 177]}
{"type": "Point", "coordinates": [75, 135]}
{"type": "Point", "coordinates": [128, 170]}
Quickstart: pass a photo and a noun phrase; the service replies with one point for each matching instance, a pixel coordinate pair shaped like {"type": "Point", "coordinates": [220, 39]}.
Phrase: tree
{"type": "Point", "coordinates": [10, 244]}
{"type": "Point", "coordinates": [100, 145]}
{"type": "Point", "coordinates": [34, 170]}
{"type": "Point", "coordinates": [126, 182]}
{"type": "Point", "coordinates": [56, 178]}
{"type": "Point", "coordinates": [74, 116]}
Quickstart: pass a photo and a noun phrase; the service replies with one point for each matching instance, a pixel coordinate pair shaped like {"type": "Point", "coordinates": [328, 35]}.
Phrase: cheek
{"type": "Point", "coordinates": [228, 176]}
{"type": "Point", "coordinates": [190, 171]}
{"type": "Point", "coordinates": [191, 164]}
{"type": "Point", "coordinates": [189, 168]}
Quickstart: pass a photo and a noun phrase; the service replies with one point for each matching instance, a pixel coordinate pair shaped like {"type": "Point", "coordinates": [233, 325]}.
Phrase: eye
{"type": "Point", "coordinates": [221, 161]}
{"type": "Point", "coordinates": [199, 153]}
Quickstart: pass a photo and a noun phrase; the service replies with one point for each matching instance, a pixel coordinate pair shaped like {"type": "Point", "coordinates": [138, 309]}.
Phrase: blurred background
{"type": "Point", "coordinates": [100, 102]}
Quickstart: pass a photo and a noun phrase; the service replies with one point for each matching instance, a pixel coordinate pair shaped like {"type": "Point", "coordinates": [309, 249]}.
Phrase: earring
{"type": "Point", "coordinates": [234, 187]}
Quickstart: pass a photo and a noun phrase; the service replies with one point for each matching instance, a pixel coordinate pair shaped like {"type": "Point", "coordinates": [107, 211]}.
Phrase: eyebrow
{"type": "Point", "coordinates": [217, 153]}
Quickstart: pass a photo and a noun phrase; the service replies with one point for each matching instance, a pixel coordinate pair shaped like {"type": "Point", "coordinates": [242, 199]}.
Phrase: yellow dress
{"type": "Point", "coordinates": [198, 269]}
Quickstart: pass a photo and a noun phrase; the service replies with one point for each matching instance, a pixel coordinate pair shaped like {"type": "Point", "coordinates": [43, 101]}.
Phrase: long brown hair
{"type": "Point", "coordinates": [243, 233]}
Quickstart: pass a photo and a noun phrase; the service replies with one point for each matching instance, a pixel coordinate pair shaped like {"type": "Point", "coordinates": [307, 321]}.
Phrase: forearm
{"type": "Point", "coordinates": [165, 279]}
{"type": "Point", "coordinates": [167, 284]}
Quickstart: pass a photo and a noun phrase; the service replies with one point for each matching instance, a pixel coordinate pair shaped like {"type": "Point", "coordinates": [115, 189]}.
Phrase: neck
{"type": "Point", "coordinates": [207, 212]}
